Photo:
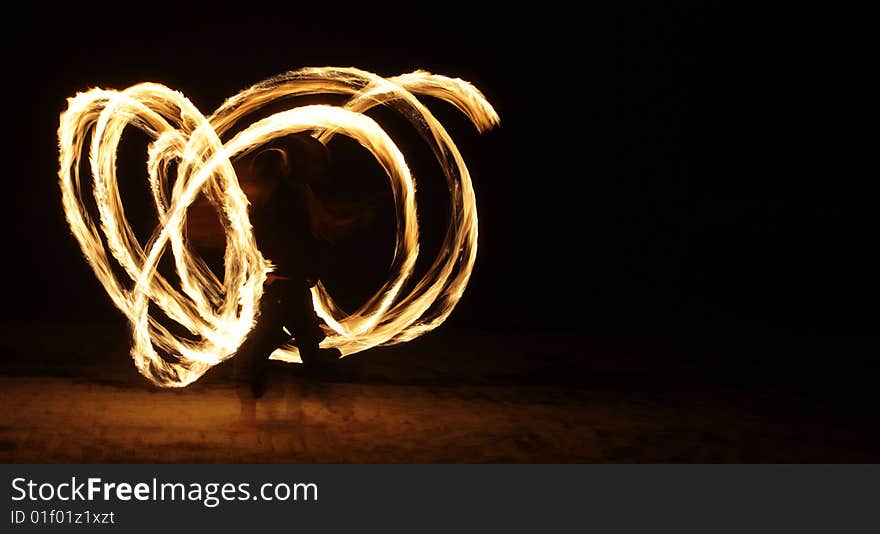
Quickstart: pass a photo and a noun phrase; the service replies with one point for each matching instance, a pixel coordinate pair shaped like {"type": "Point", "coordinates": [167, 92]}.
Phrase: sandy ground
{"type": "Point", "coordinates": [422, 404]}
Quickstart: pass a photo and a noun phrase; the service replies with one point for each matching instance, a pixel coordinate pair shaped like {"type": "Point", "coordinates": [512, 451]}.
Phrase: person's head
{"type": "Point", "coordinates": [297, 159]}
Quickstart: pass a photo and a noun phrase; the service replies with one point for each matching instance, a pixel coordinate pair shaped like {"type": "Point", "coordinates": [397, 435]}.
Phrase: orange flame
{"type": "Point", "coordinates": [218, 313]}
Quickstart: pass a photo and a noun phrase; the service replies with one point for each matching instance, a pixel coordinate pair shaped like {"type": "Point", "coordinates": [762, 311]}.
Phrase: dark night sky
{"type": "Point", "coordinates": [651, 161]}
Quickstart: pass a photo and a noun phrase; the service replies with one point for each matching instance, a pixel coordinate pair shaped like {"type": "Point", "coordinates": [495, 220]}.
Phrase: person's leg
{"type": "Point", "coordinates": [251, 359]}
{"type": "Point", "coordinates": [249, 362]}
{"type": "Point", "coordinates": [305, 325]}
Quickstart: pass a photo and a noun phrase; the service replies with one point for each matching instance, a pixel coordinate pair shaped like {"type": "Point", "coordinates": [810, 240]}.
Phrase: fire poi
{"type": "Point", "coordinates": [187, 158]}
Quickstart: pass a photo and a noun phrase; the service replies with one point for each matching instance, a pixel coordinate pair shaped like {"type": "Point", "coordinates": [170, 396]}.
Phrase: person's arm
{"type": "Point", "coordinates": [334, 221]}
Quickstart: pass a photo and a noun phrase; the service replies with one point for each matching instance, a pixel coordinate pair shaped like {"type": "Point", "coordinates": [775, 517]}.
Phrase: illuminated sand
{"type": "Point", "coordinates": [219, 312]}
{"type": "Point", "coordinates": [490, 399]}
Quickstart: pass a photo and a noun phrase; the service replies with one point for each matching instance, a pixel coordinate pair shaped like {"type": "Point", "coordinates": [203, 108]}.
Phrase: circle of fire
{"type": "Point", "coordinates": [220, 313]}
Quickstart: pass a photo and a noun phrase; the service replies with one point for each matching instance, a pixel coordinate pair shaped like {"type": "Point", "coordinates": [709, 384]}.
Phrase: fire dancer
{"type": "Point", "coordinates": [294, 231]}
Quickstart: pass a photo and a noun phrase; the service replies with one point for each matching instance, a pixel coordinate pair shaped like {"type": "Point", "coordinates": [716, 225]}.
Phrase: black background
{"type": "Point", "coordinates": [642, 179]}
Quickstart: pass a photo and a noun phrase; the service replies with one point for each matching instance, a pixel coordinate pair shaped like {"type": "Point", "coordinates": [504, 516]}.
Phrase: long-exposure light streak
{"type": "Point", "coordinates": [219, 313]}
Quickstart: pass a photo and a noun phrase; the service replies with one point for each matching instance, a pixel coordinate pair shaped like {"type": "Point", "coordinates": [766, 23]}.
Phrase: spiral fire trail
{"type": "Point", "coordinates": [220, 313]}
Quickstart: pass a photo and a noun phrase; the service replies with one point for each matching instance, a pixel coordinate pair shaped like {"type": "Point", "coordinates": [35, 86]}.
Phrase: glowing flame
{"type": "Point", "coordinates": [220, 313]}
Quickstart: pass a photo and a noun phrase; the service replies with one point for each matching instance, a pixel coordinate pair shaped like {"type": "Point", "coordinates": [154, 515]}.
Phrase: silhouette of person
{"type": "Point", "coordinates": [294, 231]}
